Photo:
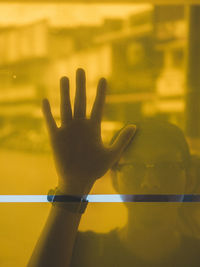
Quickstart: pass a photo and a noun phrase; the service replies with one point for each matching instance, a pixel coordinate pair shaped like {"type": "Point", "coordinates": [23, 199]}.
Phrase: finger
{"type": "Point", "coordinates": [97, 108]}
{"type": "Point", "coordinates": [65, 104]}
{"type": "Point", "coordinates": [51, 124]}
{"type": "Point", "coordinates": [121, 142]}
{"type": "Point", "coordinates": [80, 97]}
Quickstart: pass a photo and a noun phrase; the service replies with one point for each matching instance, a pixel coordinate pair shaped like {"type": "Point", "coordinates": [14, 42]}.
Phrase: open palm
{"type": "Point", "coordinates": [79, 153]}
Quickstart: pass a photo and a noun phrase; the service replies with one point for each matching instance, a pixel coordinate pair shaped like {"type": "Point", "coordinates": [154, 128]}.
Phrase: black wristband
{"type": "Point", "coordinates": [75, 204]}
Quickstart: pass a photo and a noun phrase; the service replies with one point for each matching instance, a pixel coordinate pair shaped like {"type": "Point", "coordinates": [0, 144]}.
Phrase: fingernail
{"type": "Point", "coordinates": [131, 129]}
{"type": "Point", "coordinates": [103, 82]}
{"type": "Point", "coordinates": [64, 80]}
{"type": "Point", "coordinates": [80, 71]}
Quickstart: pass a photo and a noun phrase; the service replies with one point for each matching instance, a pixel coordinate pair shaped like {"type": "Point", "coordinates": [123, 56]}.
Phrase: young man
{"type": "Point", "coordinates": [155, 169]}
{"type": "Point", "coordinates": [155, 163]}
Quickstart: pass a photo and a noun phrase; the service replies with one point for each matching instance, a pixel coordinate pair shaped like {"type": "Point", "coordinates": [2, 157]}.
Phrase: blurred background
{"type": "Point", "coordinates": [149, 54]}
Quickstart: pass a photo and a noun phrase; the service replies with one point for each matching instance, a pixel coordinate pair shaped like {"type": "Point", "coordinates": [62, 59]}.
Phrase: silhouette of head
{"type": "Point", "coordinates": [156, 162]}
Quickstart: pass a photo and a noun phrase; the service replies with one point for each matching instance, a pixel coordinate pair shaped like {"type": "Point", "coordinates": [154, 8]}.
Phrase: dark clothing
{"type": "Point", "coordinates": [95, 250]}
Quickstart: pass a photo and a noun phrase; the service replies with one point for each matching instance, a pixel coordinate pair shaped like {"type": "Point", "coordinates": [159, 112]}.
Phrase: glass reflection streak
{"type": "Point", "coordinates": [106, 198]}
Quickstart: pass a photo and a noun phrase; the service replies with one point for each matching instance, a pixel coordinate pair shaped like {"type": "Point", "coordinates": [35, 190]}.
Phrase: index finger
{"type": "Point", "coordinates": [97, 108]}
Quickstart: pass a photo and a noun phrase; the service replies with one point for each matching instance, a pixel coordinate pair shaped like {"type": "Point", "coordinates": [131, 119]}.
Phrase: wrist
{"type": "Point", "coordinates": [74, 188]}
{"type": "Point", "coordinates": [72, 203]}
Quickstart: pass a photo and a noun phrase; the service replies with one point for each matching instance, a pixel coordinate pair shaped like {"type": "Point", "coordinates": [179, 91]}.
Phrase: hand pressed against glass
{"type": "Point", "coordinates": [79, 153]}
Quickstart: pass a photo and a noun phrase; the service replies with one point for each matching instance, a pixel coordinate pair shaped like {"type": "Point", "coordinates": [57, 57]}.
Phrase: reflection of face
{"type": "Point", "coordinates": [153, 169]}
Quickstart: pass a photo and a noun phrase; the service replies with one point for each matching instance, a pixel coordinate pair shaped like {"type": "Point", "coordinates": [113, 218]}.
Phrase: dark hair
{"type": "Point", "coordinates": [161, 130]}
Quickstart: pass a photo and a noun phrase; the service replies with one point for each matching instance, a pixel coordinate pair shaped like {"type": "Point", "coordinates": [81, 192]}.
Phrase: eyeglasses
{"type": "Point", "coordinates": [164, 167]}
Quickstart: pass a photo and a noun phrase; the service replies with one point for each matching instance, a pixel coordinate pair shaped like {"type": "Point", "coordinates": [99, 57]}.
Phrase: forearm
{"type": "Point", "coordinates": [55, 245]}
{"type": "Point", "coordinates": [81, 158]}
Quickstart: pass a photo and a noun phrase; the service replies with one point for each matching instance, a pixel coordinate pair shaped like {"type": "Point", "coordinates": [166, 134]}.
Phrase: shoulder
{"type": "Point", "coordinates": [93, 239]}
{"type": "Point", "coordinates": [86, 239]}
{"type": "Point", "coordinates": [189, 252]}
{"type": "Point", "coordinates": [90, 247]}
{"type": "Point", "coordinates": [191, 243]}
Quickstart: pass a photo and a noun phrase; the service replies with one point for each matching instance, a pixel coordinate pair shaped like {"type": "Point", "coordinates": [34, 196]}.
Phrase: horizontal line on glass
{"type": "Point", "coordinates": [105, 198]}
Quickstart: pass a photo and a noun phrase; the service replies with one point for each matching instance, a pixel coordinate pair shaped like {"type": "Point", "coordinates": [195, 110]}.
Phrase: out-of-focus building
{"type": "Point", "coordinates": [141, 56]}
{"type": "Point", "coordinates": [23, 56]}
{"type": "Point", "coordinates": [133, 71]}
{"type": "Point", "coordinates": [23, 59]}
{"type": "Point", "coordinates": [170, 26]}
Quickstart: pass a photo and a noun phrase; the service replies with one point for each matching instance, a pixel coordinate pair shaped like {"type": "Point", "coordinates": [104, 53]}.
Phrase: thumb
{"type": "Point", "coordinates": [121, 141]}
